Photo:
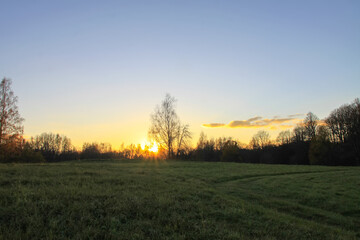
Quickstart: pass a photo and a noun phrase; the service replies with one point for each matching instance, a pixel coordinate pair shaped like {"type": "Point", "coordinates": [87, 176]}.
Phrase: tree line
{"type": "Point", "coordinates": [332, 141]}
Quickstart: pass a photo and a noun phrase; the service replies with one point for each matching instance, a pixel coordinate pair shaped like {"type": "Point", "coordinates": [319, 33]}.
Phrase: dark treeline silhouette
{"type": "Point", "coordinates": [332, 141]}
{"type": "Point", "coordinates": [229, 150]}
{"type": "Point", "coordinates": [53, 147]}
{"type": "Point", "coordinates": [96, 150]}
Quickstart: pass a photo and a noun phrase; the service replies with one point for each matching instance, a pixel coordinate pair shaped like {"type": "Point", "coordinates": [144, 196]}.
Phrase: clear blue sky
{"type": "Point", "coordinates": [95, 70]}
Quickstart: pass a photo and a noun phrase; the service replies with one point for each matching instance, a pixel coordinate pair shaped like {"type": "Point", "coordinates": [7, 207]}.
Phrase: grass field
{"type": "Point", "coordinates": [178, 200]}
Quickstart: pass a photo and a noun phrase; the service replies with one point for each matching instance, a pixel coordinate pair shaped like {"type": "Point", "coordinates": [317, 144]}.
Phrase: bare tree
{"type": "Point", "coordinates": [355, 126]}
{"type": "Point", "coordinates": [10, 120]}
{"type": "Point", "coordinates": [202, 141]}
{"type": "Point", "coordinates": [344, 123]}
{"type": "Point", "coordinates": [337, 122]}
{"type": "Point", "coordinates": [284, 137]}
{"type": "Point", "coordinates": [310, 124]}
{"type": "Point", "coordinates": [183, 139]}
{"type": "Point", "coordinates": [52, 146]}
{"type": "Point", "coordinates": [299, 133]}
{"type": "Point", "coordinates": [260, 140]}
{"type": "Point", "coordinates": [166, 128]}
{"type": "Point", "coordinates": [323, 133]}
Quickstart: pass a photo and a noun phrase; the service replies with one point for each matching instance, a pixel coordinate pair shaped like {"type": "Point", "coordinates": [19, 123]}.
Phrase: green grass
{"type": "Point", "coordinates": [178, 200]}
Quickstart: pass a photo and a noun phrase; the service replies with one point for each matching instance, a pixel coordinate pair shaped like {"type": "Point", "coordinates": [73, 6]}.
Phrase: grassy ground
{"type": "Point", "coordinates": [178, 200]}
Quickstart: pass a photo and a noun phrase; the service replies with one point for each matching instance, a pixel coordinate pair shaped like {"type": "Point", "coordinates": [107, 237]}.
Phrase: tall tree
{"type": "Point", "coordinates": [260, 140]}
{"type": "Point", "coordinates": [183, 138]}
{"type": "Point", "coordinates": [310, 124]}
{"type": "Point", "coordinates": [338, 123]}
{"type": "Point", "coordinates": [299, 133]}
{"type": "Point", "coordinates": [10, 119]}
{"type": "Point", "coordinates": [284, 137]}
{"type": "Point", "coordinates": [166, 128]}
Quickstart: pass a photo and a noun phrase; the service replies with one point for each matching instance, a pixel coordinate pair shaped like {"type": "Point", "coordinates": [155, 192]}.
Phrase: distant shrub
{"type": "Point", "coordinates": [319, 152]}
{"type": "Point", "coordinates": [97, 151]}
{"type": "Point", "coordinates": [30, 156]}
{"type": "Point", "coordinates": [230, 152]}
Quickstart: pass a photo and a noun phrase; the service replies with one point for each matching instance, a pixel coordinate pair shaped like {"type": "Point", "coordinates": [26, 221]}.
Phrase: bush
{"type": "Point", "coordinates": [319, 152]}
{"type": "Point", "coordinates": [230, 152]}
{"type": "Point", "coordinates": [30, 156]}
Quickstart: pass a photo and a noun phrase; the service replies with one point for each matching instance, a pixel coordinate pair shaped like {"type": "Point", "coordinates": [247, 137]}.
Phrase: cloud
{"type": "Point", "coordinates": [258, 122]}
{"type": "Point", "coordinates": [254, 119]}
{"type": "Point", "coordinates": [277, 120]}
{"type": "Point", "coordinates": [241, 124]}
{"type": "Point", "coordinates": [213, 125]}
{"type": "Point", "coordinates": [296, 115]}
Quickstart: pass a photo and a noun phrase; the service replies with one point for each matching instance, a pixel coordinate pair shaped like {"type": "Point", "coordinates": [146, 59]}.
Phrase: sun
{"type": "Point", "coordinates": [150, 146]}
{"type": "Point", "coordinates": [154, 148]}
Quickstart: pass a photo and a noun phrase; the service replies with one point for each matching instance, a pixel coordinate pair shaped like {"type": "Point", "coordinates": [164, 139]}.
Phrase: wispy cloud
{"type": "Point", "coordinates": [254, 119]}
{"type": "Point", "coordinates": [213, 125]}
{"type": "Point", "coordinates": [296, 115]}
{"type": "Point", "coordinates": [259, 122]}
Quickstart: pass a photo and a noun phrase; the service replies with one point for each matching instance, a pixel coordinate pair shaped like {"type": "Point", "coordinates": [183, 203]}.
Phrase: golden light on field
{"type": "Point", "coordinates": [150, 146]}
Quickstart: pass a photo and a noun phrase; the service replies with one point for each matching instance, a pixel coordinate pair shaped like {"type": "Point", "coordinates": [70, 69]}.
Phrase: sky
{"type": "Point", "coordinates": [95, 70]}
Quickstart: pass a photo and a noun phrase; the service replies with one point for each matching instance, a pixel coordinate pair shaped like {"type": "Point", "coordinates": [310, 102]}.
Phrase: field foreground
{"type": "Point", "coordinates": [178, 200]}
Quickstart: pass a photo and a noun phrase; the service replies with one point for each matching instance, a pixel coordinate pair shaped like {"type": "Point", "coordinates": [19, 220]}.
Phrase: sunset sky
{"type": "Point", "coordinates": [95, 70]}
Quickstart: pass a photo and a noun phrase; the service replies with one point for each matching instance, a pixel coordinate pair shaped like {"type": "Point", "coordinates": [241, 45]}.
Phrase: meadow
{"type": "Point", "coordinates": [128, 199]}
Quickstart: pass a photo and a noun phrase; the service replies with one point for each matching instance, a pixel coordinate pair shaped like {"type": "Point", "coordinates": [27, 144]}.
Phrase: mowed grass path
{"type": "Point", "coordinates": [178, 200]}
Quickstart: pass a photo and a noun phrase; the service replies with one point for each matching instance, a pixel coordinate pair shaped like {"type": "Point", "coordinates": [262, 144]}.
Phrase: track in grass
{"type": "Point", "coordinates": [178, 200]}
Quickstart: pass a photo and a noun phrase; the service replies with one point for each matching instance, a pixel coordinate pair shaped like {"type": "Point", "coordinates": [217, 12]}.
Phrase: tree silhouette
{"type": "Point", "coordinates": [184, 136]}
{"type": "Point", "coordinates": [284, 137]}
{"type": "Point", "coordinates": [166, 128]}
{"type": "Point", "coordinates": [10, 120]}
{"type": "Point", "coordinates": [54, 147]}
{"type": "Point", "coordinates": [310, 124]}
{"type": "Point", "coordinates": [260, 140]}
{"type": "Point", "coordinates": [299, 133]}
{"type": "Point", "coordinates": [338, 124]}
